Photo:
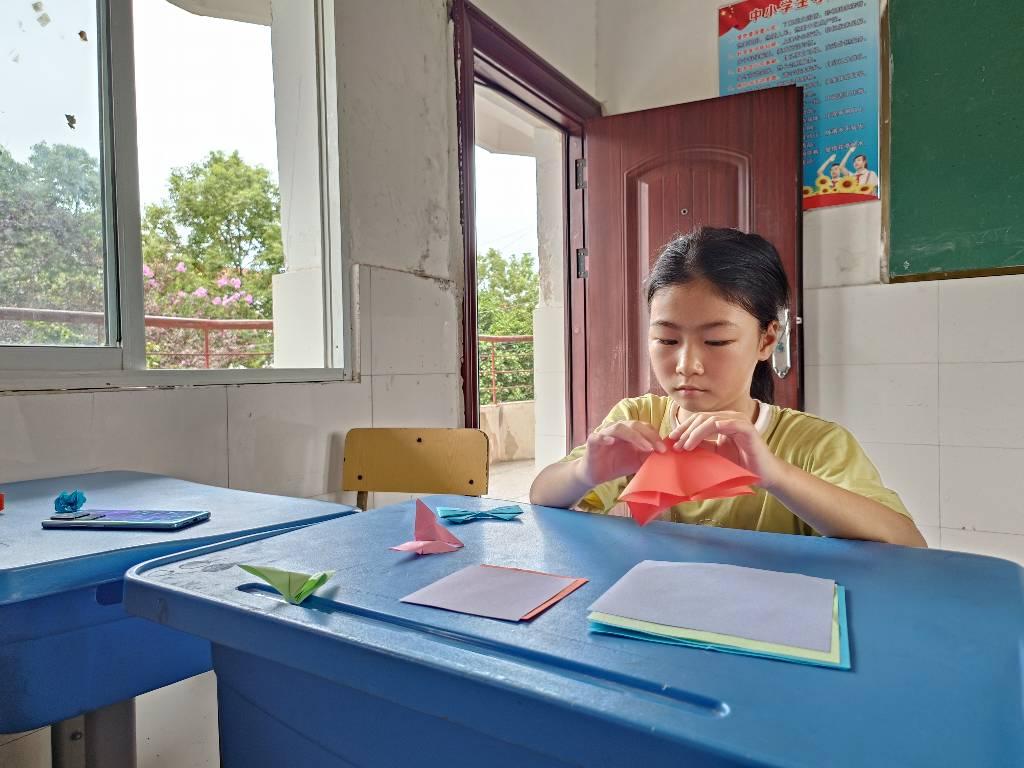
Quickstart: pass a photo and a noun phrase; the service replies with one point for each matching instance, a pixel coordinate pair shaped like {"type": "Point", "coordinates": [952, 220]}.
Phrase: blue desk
{"type": "Point", "coordinates": [354, 677]}
{"type": "Point", "coordinates": [66, 644]}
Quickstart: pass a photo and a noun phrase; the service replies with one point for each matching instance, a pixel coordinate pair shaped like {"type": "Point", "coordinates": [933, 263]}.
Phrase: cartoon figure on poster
{"type": "Point", "coordinates": [830, 49]}
{"type": "Point", "coordinates": [836, 177]}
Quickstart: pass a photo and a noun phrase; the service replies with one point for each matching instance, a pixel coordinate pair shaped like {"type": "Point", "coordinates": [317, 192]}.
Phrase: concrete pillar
{"type": "Point", "coordinates": [549, 316]}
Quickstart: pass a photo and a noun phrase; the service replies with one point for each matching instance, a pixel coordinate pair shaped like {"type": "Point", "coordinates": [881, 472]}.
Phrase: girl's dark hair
{"type": "Point", "coordinates": [744, 269]}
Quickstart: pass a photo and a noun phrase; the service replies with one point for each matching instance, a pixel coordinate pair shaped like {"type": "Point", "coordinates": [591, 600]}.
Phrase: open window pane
{"type": "Point", "coordinates": [52, 259]}
{"type": "Point", "coordinates": [211, 217]}
{"type": "Point", "coordinates": [227, 105]}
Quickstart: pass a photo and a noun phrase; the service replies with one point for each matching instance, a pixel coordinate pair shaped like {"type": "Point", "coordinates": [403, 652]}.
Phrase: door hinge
{"type": "Point", "coordinates": [581, 173]}
{"type": "Point", "coordinates": [581, 263]}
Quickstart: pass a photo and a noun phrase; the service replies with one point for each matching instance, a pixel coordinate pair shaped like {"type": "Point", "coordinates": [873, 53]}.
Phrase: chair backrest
{"type": "Point", "coordinates": [415, 461]}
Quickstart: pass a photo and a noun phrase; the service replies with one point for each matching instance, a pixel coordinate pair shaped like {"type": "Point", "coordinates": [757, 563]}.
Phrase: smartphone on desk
{"type": "Point", "coordinates": [129, 519]}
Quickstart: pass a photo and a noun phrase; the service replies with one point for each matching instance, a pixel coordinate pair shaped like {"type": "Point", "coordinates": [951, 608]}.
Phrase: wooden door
{"type": "Point", "coordinates": [726, 162]}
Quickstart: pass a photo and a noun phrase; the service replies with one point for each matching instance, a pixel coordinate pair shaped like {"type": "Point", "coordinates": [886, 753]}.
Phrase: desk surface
{"type": "Point", "coordinates": [937, 640]}
{"type": "Point", "coordinates": [35, 562]}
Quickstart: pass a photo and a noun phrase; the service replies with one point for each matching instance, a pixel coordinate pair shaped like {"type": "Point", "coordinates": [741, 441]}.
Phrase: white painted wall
{"type": "Point", "coordinates": [927, 375]}
{"type": "Point", "coordinates": [563, 32]}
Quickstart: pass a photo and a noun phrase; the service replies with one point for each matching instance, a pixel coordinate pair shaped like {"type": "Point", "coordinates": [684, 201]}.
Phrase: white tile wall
{"type": "Point", "coordinates": [51, 434]}
{"type": "Point", "coordinates": [981, 319]}
{"type": "Point", "coordinates": [178, 432]}
{"type": "Point", "coordinates": [929, 377]}
{"type": "Point", "coordinates": [911, 471]}
{"type": "Point", "coordinates": [192, 742]}
{"type": "Point", "coordinates": [872, 325]}
{"type": "Point", "coordinates": [878, 403]}
{"type": "Point", "coordinates": [982, 404]}
{"type": "Point", "coordinates": [982, 489]}
{"type": "Point", "coordinates": [289, 438]}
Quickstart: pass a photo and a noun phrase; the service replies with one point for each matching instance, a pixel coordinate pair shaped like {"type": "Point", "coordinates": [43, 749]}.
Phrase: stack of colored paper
{"type": "Point", "coordinates": [717, 607]}
{"type": "Point", "coordinates": [458, 516]}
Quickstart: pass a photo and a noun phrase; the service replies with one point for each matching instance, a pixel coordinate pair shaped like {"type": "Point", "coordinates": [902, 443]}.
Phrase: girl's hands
{"type": "Point", "coordinates": [736, 439]}
{"type": "Point", "coordinates": [618, 449]}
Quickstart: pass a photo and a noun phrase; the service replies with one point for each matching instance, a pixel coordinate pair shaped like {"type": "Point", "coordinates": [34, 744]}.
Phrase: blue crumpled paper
{"type": "Point", "coordinates": [459, 516]}
{"type": "Point", "coordinates": [69, 502]}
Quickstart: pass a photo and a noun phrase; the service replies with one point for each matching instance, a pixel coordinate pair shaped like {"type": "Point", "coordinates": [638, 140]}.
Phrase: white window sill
{"type": "Point", "coordinates": [35, 381]}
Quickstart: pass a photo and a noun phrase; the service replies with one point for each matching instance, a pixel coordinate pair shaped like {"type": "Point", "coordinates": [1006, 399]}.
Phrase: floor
{"type": "Point", "coordinates": [511, 480]}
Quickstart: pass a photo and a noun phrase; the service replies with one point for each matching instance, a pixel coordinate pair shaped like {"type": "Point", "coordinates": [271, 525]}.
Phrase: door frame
{"type": "Point", "coordinates": [488, 54]}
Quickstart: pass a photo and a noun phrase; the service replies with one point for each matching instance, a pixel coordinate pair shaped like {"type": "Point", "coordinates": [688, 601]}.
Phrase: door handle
{"type": "Point", "coordinates": [782, 357]}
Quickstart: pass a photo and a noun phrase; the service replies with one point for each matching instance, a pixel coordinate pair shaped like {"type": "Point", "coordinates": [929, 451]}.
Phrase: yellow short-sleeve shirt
{"type": "Point", "coordinates": [817, 446]}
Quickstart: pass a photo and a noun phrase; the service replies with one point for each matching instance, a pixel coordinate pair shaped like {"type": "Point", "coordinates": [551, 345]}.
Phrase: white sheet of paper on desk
{"type": "Point", "coordinates": [768, 606]}
{"type": "Point", "coordinates": [497, 593]}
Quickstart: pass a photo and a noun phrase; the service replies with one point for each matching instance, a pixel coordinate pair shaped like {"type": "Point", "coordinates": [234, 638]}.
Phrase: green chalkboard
{"type": "Point", "coordinates": [957, 137]}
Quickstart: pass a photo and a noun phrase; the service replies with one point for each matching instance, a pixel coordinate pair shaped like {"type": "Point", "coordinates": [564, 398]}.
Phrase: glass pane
{"type": "Point", "coordinates": [233, 265]}
{"type": "Point", "coordinates": [51, 204]}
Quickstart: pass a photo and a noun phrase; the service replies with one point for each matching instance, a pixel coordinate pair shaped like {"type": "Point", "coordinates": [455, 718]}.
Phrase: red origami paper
{"type": "Point", "coordinates": [675, 477]}
{"type": "Point", "coordinates": [430, 537]}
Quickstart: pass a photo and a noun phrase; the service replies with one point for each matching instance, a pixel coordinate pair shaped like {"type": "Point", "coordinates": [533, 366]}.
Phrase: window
{"type": "Point", "coordinates": [147, 230]}
{"type": "Point", "coordinates": [53, 216]}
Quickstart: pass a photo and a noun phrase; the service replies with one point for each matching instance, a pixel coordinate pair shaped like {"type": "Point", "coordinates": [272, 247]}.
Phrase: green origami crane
{"type": "Point", "coordinates": [295, 586]}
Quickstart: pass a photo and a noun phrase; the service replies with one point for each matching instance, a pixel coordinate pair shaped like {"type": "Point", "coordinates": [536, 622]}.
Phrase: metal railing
{"type": "Point", "coordinates": [204, 325]}
{"type": "Point", "coordinates": [505, 369]}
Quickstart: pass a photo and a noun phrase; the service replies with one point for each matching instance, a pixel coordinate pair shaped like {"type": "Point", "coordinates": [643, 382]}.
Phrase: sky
{"type": "Point", "coordinates": [201, 84]}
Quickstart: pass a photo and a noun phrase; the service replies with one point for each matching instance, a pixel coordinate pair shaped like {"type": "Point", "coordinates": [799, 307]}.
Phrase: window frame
{"type": "Point", "coordinates": [122, 363]}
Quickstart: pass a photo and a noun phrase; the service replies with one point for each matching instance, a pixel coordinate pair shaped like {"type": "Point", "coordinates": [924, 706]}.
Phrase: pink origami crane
{"type": "Point", "coordinates": [674, 477]}
{"type": "Point", "coordinates": [432, 538]}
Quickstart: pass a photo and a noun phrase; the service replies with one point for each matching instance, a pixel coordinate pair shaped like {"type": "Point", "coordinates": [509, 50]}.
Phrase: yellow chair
{"type": "Point", "coordinates": [415, 461]}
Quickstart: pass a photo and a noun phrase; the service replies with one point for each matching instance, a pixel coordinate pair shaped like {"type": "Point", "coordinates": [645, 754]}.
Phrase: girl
{"type": "Point", "coordinates": [714, 297]}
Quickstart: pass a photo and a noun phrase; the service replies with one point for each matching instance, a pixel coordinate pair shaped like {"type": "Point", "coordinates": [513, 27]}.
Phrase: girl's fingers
{"type": "Point", "coordinates": [695, 423]}
{"type": "Point", "coordinates": [698, 434]}
{"type": "Point", "coordinates": [651, 435]}
{"type": "Point", "coordinates": [678, 431]}
{"type": "Point", "coordinates": [627, 434]}
{"type": "Point", "coordinates": [714, 428]}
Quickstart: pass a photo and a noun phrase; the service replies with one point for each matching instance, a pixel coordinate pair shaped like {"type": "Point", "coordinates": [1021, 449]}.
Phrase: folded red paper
{"type": "Point", "coordinates": [430, 537]}
{"type": "Point", "coordinates": [675, 477]}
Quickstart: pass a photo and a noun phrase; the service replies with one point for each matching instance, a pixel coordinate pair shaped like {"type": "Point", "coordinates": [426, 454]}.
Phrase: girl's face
{"type": "Point", "coordinates": [704, 349]}
{"type": "Point", "coordinates": [859, 163]}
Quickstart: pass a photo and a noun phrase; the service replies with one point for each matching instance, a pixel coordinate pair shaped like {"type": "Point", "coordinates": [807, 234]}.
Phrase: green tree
{"type": "Point", "coordinates": [210, 250]}
{"type": "Point", "coordinates": [507, 293]}
{"type": "Point", "coordinates": [51, 242]}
